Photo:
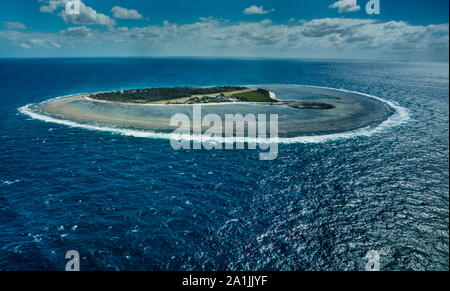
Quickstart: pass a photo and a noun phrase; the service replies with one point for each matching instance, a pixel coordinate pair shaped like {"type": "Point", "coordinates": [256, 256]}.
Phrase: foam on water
{"type": "Point", "coordinates": [400, 116]}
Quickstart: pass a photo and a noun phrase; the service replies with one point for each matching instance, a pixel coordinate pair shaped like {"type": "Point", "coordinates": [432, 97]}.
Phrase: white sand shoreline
{"type": "Point", "coordinates": [140, 119]}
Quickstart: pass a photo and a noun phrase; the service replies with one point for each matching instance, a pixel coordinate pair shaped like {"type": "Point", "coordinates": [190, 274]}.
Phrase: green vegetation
{"type": "Point", "coordinates": [259, 95]}
{"type": "Point", "coordinates": [197, 95]}
{"type": "Point", "coordinates": [160, 94]}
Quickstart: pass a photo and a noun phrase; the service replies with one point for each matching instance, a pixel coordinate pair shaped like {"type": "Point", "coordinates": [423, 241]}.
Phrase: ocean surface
{"type": "Point", "coordinates": [128, 201]}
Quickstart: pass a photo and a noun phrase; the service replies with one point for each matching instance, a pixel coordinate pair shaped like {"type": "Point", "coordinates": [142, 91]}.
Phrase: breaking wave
{"type": "Point", "coordinates": [400, 116]}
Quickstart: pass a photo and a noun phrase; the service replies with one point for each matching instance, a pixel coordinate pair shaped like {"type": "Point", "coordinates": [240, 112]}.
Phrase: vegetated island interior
{"type": "Point", "coordinates": [202, 95]}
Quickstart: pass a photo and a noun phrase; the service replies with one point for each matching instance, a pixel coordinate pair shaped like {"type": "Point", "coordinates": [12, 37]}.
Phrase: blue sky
{"type": "Point", "coordinates": [404, 30]}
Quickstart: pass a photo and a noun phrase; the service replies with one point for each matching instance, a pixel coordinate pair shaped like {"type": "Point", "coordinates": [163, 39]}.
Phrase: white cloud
{"type": "Point", "coordinates": [256, 10]}
{"type": "Point", "coordinates": [327, 37]}
{"type": "Point", "coordinates": [346, 6]}
{"type": "Point", "coordinates": [124, 13]}
{"type": "Point", "coordinates": [25, 46]}
{"type": "Point", "coordinates": [79, 31]}
{"type": "Point", "coordinates": [266, 22]}
{"type": "Point", "coordinates": [50, 6]}
{"type": "Point", "coordinates": [87, 16]}
{"type": "Point", "coordinates": [15, 25]}
{"type": "Point", "coordinates": [210, 18]}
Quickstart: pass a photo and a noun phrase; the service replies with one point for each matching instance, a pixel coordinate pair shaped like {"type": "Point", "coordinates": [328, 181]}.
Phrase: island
{"type": "Point", "coordinates": [202, 95]}
{"type": "Point", "coordinates": [301, 110]}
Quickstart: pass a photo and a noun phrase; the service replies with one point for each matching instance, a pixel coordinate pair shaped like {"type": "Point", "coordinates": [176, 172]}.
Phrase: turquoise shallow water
{"type": "Point", "coordinates": [134, 203]}
{"type": "Point", "coordinates": [353, 112]}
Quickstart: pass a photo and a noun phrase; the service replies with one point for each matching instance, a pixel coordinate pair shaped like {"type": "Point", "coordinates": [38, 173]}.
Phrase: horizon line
{"type": "Point", "coordinates": [230, 58]}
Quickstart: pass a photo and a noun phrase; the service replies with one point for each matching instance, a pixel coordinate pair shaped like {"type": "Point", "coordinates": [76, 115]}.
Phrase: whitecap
{"type": "Point", "coordinates": [10, 182]}
{"type": "Point", "coordinates": [400, 116]}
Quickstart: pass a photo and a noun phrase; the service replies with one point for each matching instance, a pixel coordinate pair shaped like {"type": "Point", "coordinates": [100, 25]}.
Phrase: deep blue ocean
{"type": "Point", "coordinates": [129, 203]}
